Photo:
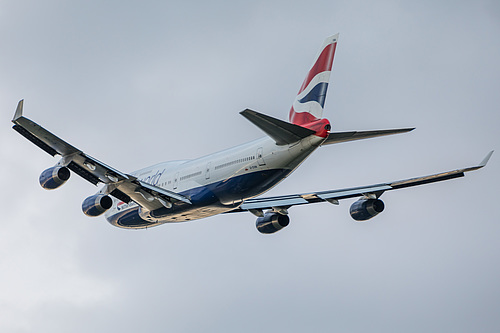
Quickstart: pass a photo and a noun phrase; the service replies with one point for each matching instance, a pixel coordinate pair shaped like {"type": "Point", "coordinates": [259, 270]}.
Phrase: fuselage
{"type": "Point", "coordinates": [215, 183]}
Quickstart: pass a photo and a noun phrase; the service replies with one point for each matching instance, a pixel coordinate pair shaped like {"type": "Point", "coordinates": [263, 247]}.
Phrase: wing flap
{"type": "Point", "coordinates": [145, 195]}
{"type": "Point", "coordinates": [88, 176]}
{"type": "Point", "coordinates": [267, 203]}
{"type": "Point", "coordinates": [155, 190]}
{"type": "Point", "coordinates": [354, 192]}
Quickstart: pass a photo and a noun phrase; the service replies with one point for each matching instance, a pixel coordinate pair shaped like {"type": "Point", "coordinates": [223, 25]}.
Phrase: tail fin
{"type": "Point", "coordinates": [308, 106]}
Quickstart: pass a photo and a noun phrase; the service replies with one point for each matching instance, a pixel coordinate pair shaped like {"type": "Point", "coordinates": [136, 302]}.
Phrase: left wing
{"type": "Point", "coordinates": [281, 203]}
{"type": "Point", "coordinates": [118, 184]}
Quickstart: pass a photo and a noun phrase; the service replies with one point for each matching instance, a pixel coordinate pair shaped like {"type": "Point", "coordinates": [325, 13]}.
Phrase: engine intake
{"type": "Point", "coordinates": [272, 222]}
{"type": "Point", "coordinates": [54, 177]}
{"type": "Point", "coordinates": [365, 209]}
{"type": "Point", "coordinates": [96, 205]}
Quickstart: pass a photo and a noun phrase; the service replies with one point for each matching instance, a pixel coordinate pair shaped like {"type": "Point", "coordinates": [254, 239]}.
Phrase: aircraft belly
{"type": "Point", "coordinates": [213, 199]}
{"type": "Point", "coordinates": [238, 188]}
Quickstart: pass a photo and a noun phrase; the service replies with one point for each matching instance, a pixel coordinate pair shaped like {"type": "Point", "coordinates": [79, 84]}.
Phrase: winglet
{"type": "Point", "coordinates": [486, 159]}
{"type": "Point", "coordinates": [482, 164]}
{"type": "Point", "coordinates": [19, 111]}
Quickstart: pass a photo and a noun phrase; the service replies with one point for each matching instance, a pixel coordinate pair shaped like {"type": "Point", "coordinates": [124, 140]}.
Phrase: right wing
{"type": "Point", "coordinates": [282, 203]}
{"type": "Point", "coordinates": [122, 186]}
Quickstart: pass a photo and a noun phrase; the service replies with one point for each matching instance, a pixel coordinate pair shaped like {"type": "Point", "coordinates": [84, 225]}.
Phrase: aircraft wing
{"type": "Point", "coordinates": [118, 184]}
{"type": "Point", "coordinates": [282, 203]}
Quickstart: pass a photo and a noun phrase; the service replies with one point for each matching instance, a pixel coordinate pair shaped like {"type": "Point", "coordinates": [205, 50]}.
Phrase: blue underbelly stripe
{"type": "Point", "coordinates": [234, 189]}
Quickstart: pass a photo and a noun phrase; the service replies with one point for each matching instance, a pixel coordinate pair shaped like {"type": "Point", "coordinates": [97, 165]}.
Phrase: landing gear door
{"type": "Point", "coordinates": [260, 157]}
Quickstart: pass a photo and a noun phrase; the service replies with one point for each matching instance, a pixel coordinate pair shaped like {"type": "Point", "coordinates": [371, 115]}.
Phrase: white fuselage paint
{"type": "Point", "coordinates": [210, 173]}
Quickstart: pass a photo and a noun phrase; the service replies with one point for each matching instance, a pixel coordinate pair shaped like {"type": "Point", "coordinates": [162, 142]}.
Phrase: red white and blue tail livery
{"type": "Point", "coordinates": [310, 101]}
{"type": "Point", "coordinates": [228, 181]}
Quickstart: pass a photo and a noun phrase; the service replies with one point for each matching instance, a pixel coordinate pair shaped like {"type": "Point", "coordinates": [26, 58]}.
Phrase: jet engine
{"type": "Point", "coordinates": [54, 177]}
{"type": "Point", "coordinates": [365, 209]}
{"type": "Point", "coordinates": [272, 222]}
{"type": "Point", "coordinates": [96, 205]}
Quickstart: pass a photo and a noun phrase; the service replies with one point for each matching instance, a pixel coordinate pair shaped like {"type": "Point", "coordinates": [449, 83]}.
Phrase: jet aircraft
{"type": "Point", "coordinates": [231, 180]}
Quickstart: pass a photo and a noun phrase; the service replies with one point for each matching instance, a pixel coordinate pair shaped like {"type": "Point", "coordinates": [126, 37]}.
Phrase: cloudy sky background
{"type": "Point", "coordinates": [134, 83]}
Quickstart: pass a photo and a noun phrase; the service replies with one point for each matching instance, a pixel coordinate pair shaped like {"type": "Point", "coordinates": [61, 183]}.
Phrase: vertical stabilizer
{"type": "Point", "coordinates": [308, 106]}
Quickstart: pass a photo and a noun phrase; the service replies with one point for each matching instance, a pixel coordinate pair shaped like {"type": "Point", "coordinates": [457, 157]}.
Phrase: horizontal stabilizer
{"type": "Point", "coordinates": [339, 137]}
{"type": "Point", "coordinates": [281, 131]}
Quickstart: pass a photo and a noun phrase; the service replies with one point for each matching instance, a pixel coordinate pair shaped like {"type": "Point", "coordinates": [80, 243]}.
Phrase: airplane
{"type": "Point", "coordinates": [231, 180]}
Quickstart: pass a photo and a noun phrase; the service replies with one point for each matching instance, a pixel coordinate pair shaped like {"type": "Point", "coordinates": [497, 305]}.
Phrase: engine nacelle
{"type": "Point", "coordinates": [365, 209]}
{"type": "Point", "coordinates": [54, 177]}
{"type": "Point", "coordinates": [96, 205]}
{"type": "Point", "coordinates": [272, 222]}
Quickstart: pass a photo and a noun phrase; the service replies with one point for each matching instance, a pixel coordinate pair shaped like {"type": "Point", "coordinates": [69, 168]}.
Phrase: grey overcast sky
{"type": "Point", "coordinates": [134, 83]}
